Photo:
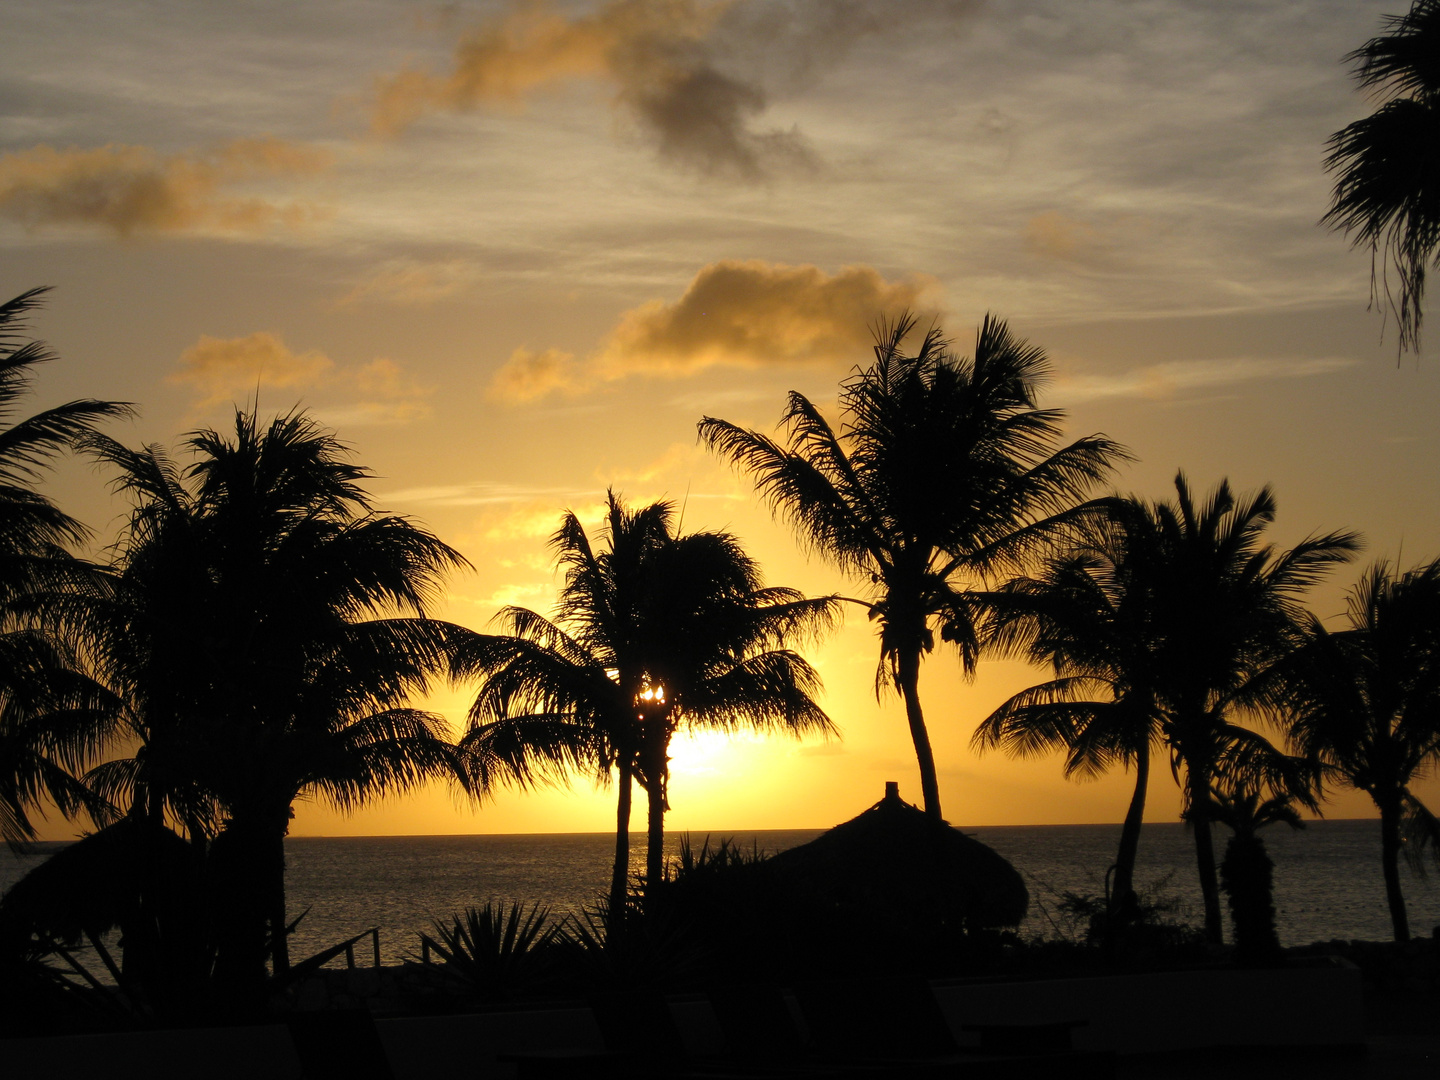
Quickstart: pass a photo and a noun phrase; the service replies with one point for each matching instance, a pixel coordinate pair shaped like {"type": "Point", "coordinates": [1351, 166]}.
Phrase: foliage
{"type": "Point", "coordinates": [944, 473]}
{"type": "Point", "coordinates": [653, 632]}
{"type": "Point", "coordinates": [498, 951]}
{"type": "Point", "coordinates": [262, 629]}
{"type": "Point", "coordinates": [46, 709]}
{"type": "Point", "coordinates": [1388, 164]}
{"type": "Point", "coordinates": [1364, 702]}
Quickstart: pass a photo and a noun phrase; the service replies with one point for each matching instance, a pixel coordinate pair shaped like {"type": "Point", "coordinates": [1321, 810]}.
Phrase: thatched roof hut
{"type": "Point", "coordinates": [894, 860]}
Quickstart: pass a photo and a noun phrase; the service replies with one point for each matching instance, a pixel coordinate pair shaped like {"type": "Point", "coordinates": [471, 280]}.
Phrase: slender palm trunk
{"type": "Point", "coordinates": [1198, 778]}
{"type": "Point", "coordinates": [1122, 893]}
{"type": "Point", "coordinates": [908, 670]}
{"type": "Point", "coordinates": [655, 834]}
{"type": "Point", "coordinates": [620, 872]}
{"type": "Point", "coordinates": [274, 856]}
{"type": "Point", "coordinates": [1390, 866]}
{"type": "Point", "coordinates": [656, 772]}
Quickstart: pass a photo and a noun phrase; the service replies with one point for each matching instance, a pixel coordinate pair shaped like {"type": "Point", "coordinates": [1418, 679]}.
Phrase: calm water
{"type": "Point", "coordinates": [1327, 877]}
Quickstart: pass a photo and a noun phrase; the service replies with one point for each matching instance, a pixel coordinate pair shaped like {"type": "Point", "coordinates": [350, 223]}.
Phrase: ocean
{"type": "Point", "coordinates": [1327, 877]}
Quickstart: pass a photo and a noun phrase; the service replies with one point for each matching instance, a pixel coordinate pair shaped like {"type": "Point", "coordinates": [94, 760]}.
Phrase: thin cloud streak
{"type": "Point", "coordinates": [1159, 381]}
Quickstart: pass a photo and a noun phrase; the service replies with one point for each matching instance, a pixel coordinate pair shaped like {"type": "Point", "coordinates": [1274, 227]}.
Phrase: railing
{"type": "Point", "coordinates": [374, 933]}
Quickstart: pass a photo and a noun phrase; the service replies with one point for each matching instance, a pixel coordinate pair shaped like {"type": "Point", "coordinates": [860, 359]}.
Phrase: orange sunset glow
{"type": "Point", "coordinates": [512, 253]}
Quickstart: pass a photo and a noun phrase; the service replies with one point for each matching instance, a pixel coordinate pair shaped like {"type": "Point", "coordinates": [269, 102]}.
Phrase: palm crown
{"type": "Point", "coordinates": [944, 472]}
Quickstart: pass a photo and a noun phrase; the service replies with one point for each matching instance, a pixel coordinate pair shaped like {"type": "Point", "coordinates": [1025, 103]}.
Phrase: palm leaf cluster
{"type": "Point", "coordinates": [1159, 619]}
{"type": "Point", "coordinates": [654, 632]}
{"type": "Point", "coordinates": [944, 473]}
{"type": "Point", "coordinates": [1387, 190]}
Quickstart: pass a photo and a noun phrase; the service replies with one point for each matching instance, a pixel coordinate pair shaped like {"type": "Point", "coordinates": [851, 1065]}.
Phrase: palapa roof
{"type": "Point", "coordinates": [897, 858]}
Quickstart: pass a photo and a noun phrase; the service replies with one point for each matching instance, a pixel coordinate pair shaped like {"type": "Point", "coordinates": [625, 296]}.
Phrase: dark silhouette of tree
{"type": "Point", "coordinates": [1365, 701]}
{"type": "Point", "coordinates": [943, 474]}
{"type": "Point", "coordinates": [1157, 622]}
{"type": "Point", "coordinates": [1089, 615]}
{"type": "Point", "coordinates": [1229, 606]}
{"type": "Point", "coordinates": [1387, 194]}
{"type": "Point", "coordinates": [654, 632]}
{"type": "Point", "coordinates": [43, 741]}
{"type": "Point", "coordinates": [265, 628]}
{"type": "Point", "coordinates": [1247, 804]}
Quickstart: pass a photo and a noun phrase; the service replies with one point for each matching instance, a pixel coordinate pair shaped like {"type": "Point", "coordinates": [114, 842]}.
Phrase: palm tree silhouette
{"type": "Point", "coordinates": [1228, 607]}
{"type": "Point", "coordinates": [943, 473]}
{"type": "Point", "coordinates": [1089, 614]}
{"type": "Point", "coordinates": [42, 743]}
{"type": "Point", "coordinates": [1365, 701]}
{"type": "Point", "coordinates": [654, 632]}
{"type": "Point", "coordinates": [1387, 194]}
{"type": "Point", "coordinates": [1247, 802]}
{"type": "Point", "coordinates": [265, 628]}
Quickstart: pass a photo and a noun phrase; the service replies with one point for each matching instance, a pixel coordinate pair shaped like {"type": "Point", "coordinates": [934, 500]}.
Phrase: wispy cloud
{"type": "Point", "coordinates": [1159, 381]}
{"type": "Point", "coordinates": [222, 369]}
{"type": "Point", "coordinates": [129, 190]}
{"type": "Point", "coordinates": [737, 314]}
{"type": "Point", "coordinates": [414, 284]}
{"type": "Point", "coordinates": [673, 64]}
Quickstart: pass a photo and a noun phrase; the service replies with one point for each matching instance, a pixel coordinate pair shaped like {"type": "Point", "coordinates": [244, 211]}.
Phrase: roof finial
{"type": "Point", "coordinates": [892, 790]}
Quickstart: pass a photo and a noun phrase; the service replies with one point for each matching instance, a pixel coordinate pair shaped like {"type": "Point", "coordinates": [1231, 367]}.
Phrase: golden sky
{"type": "Point", "coordinates": [513, 251]}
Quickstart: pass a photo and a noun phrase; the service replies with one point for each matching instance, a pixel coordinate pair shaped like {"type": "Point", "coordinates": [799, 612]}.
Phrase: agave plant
{"type": "Point", "coordinates": [498, 951]}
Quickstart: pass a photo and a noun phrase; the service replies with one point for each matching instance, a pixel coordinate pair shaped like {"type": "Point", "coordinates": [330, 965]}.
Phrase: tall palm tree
{"type": "Point", "coordinates": [265, 628]}
{"type": "Point", "coordinates": [1089, 615]}
{"type": "Point", "coordinates": [1387, 193]}
{"type": "Point", "coordinates": [1365, 701]}
{"type": "Point", "coordinates": [42, 743]}
{"type": "Point", "coordinates": [943, 473]}
{"type": "Point", "coordinates": [1230, 608]}
{"type": "Point", "coordinates": [654, 632]}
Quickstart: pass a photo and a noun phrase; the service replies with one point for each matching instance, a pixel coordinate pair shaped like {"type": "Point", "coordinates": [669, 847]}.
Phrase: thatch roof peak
{"type": "Point", "coordinates": [896, 855]}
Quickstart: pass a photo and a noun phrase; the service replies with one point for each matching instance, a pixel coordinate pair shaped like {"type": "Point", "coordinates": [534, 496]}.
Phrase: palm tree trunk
{"type": "Point", "coordinates": [1122, 894]}
{"type": "Point", "coordinates": [656, 770]}
{"type": "Point", "coordinates": [274, 856]}
{"type": "Point", "coordinates": [655, 832]}
{"type": "Point", "coordinates": [620, 872]}
{"type": "Point", "coordinates": [1390, 866]}
{"type": "Point", "coordinates": [908, 670]}
{"type": "Point", "coordinates": [1199, 795]}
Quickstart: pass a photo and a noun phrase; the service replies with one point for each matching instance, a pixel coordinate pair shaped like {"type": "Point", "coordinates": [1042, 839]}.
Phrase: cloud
{"type": "Point", "coordinates": [529, 375]}
{"type": "Point", "coordinates": [1056, 236]}
{"type": "Point", "coordinates": [220, 368]}
{"type": "Point", "coordinates": [414, 284]}
{"type": "Point", "coordinates": [132, 189]}
{"type": "Point", "coordinates": [654, 53]}
{"type": "Point", "coordinates": [739, 314]}
{"type": "Point", "coordinates": [1158, 381]}
{"type": "Point", "coordinates": [752, 313]}
{"type": "Point", "coordinates": [223, 369]}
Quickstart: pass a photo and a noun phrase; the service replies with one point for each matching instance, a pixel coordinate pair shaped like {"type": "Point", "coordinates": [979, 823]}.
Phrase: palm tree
{"type": "Point", "coordinates": [1365, 701]}
{"type": "Point", "coordinates": [42, 744]}
{"type": "Point", "coordinates": [944, 473]}
{"type": "Point", "coordinates": [1247, 803]}
{"type": "Point", "coordinates": [1089, 615]}
{"type": "Point", "coordinates": [265, 628]}
{"type": "Point", "coordinates": [654, 633]}
{"type": "Point", "coordinates": [1229, 607]}
{"type": "Point", "coordinates": [1387, 194]}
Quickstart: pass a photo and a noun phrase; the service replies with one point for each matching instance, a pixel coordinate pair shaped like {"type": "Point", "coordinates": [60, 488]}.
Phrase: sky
{"type": "Point", "coordinates": [511, 252]}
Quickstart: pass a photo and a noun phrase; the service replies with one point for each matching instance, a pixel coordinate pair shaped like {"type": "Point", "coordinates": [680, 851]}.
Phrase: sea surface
{"type": "Point", "coordinates": [1327, 877]}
